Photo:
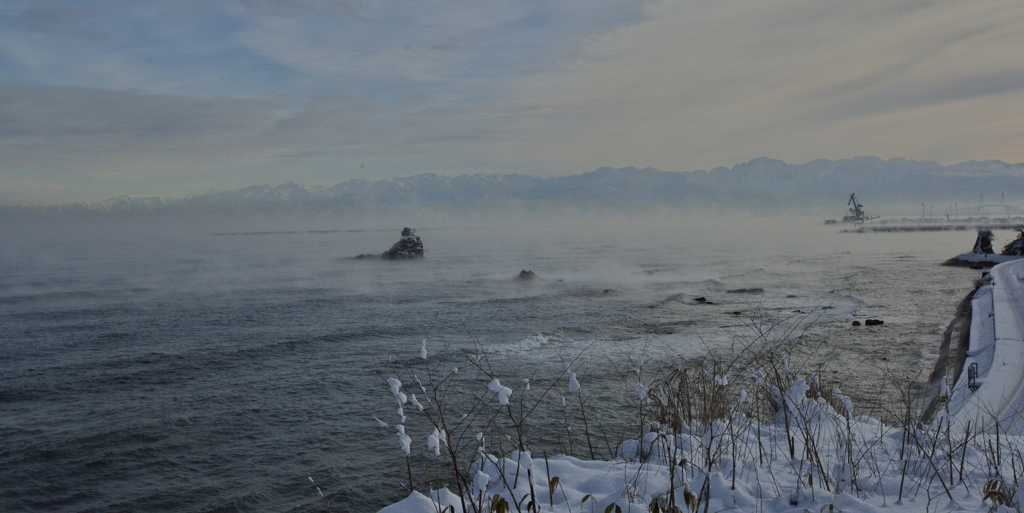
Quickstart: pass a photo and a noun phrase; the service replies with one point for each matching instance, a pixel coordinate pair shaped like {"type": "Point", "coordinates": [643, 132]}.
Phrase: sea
{"type": "Point", "coordinates": [217, 365]}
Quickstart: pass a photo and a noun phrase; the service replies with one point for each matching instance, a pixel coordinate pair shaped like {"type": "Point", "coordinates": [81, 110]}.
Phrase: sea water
{"type": "Point", "coordinates": [216, 366]}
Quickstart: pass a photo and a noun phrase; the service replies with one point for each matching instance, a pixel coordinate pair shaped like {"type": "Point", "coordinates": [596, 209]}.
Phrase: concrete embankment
{"type": "Point", "coordinates": [956, 341]}
{"type": "Point", "coordinates": [989, 392]}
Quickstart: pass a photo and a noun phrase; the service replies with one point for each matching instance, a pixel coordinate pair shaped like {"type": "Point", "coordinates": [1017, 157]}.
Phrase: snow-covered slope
{"type": "Point", "coordinates": [993, 393]}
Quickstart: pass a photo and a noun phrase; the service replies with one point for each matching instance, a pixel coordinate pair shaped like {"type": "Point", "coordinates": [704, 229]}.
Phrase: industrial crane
{"type": "Point", "coordinates": [856, 214]}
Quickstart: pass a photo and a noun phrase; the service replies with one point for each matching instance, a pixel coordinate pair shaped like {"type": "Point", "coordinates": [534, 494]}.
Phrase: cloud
{"type": "Point", "coordinates": [50, 18]}
{"type": "Point", "coordinates": [701, 84]}
{"type": "Point", "coordinates": [229, 93]}
{"type": "Point", "coordinates": [176, 95]}
{"type": "Point", "coordinates": [145, 143]}
{"type": "Point", "coordinates": [119, 134]}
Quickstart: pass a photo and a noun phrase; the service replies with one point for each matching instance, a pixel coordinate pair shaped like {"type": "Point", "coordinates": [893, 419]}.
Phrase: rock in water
{"type": "Point", "coordinates": [755, 290]}
{"type": "Point", "coordinates": [983, 255]}
{"type": "Point", "coordinates": [408, 247]}
{"type": "Point", "coordinates": [983, 245]}
{"type": "Point", "coordinates": [526, 275]}
{"type": "Point", "coordinates": [1016, 246]}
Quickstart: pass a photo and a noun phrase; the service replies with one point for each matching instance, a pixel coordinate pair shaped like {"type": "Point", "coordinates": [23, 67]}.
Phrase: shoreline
{"type": "Point", "coordinates": [961, 325]}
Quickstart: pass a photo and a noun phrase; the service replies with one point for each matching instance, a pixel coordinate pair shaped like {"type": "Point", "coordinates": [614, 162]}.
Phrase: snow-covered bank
{"type": "Point", "coordinates": [823, 461]}
{"type": "Point", "coordinates": [990, 390]}
{"type": "Point", "coordinates": [790, 444]}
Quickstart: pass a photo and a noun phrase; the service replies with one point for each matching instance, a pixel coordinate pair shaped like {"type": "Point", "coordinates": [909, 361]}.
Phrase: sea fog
{"type": "Point", "coordinates": [213, 364]}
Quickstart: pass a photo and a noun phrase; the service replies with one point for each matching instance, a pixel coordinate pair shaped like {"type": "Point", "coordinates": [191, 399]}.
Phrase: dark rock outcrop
{"type": "Point", "coordinates": [525, 275]}
{"type": "Point", "coordinates": [408, 247]}
{"type": "Point", "coordinates": [984, 243]}
{"type": "Point", "coordinates": [1016, 246]}
{"type": "Point", "coordinates": [983, 256]}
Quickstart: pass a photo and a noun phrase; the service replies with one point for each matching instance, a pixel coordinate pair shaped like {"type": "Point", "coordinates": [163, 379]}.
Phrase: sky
{"type": "Point", "coordinates": [183, 97]}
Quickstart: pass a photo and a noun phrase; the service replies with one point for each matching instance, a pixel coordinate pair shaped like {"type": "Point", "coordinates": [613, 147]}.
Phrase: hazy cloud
{"type": "Point", "coordinates": [706, 83]}
{"type": "Point", "coordinates": [105, 131]}
{"type": "Point", "coordinates": [135, 97]}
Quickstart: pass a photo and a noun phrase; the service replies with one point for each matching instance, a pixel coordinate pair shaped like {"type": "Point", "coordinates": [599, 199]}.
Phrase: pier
{"type": "Point", "coordinates": [927, 227]}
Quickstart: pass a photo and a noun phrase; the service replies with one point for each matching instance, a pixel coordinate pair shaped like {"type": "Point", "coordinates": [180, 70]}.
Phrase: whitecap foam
{"type": "Point", "coordinates": [531, 343]}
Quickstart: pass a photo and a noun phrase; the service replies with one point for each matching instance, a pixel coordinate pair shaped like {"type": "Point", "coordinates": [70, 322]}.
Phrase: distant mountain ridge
{"type": "Point", "coordinates": [761, 182]}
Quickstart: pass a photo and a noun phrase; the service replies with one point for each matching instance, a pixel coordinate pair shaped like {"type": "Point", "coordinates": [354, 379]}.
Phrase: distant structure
{"type": "Point", "coordinates": [856, 214]}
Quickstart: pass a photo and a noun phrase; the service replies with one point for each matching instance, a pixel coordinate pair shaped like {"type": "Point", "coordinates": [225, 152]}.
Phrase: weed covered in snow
{"type": "Point", "coordinates": [743, 432]}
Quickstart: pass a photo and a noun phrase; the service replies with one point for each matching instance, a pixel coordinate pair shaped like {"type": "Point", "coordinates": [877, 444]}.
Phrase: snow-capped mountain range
{"type": "Point", "coordinates": [761, 182]}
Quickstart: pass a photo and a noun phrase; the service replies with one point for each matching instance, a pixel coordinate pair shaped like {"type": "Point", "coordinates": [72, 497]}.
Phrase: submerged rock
{"type": "Point", "coordinates": [755, 290]}
{"type": "Point", "coordinates": [408, 247]}
{"type": "Point", "coordinates": [873, 322]}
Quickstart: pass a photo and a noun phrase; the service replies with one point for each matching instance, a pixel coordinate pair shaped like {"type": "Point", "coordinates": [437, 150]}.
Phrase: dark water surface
{"type": "Point", "coordinates": [146, 370]}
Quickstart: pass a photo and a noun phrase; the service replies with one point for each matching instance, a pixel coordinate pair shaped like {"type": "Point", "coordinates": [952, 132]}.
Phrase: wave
{"type": "Point", "coordinates": [531, 343]}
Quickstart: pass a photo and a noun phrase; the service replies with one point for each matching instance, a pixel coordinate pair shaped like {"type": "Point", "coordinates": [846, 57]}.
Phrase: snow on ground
{"type": "Point", "coordinates": [815, 455]}
{"type": "Point", "coordinates": [853, 467]}
{"type": "Point", "coordinates": [997, 353]}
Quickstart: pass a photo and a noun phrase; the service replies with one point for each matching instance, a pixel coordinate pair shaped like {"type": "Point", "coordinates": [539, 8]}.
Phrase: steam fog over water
{"type": "Point", "coordinates": [149, 366]}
